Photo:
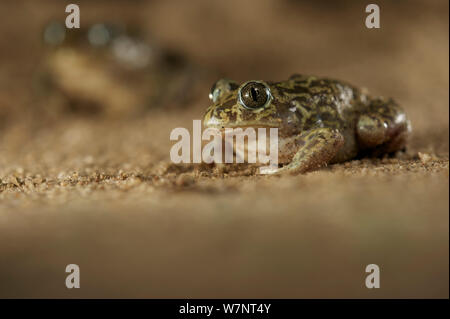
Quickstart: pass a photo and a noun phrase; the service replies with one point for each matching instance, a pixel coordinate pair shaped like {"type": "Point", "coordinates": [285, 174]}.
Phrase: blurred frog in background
{"type": "Point", "coordinates": [320, 121]}
{"type": "Point", "coordinates": [111, 70]}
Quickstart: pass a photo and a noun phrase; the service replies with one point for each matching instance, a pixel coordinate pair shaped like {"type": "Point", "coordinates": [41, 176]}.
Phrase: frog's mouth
{"type": "Point", "coordinates": [243, 127]}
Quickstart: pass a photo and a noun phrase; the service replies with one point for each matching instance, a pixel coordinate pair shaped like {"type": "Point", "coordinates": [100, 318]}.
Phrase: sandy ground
{"type": "Point", "coordinates": [103, 194]}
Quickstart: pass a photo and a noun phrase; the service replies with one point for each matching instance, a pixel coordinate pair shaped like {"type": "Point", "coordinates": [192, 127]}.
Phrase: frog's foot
{"type": "Point", "coordinates": [384, 129]}
{"type": "Point", "coordinates": [318, 149]}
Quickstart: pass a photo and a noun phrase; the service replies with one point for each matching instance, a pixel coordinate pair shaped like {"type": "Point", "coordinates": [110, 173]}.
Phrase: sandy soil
{"type": "Point", "coordinates": [102, 193]}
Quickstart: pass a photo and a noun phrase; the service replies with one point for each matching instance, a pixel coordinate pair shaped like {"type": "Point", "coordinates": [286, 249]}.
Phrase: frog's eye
{"type": "Point", "coordinates": [221, 87]}
{"type": "Point", "coordinates": [254, 95]}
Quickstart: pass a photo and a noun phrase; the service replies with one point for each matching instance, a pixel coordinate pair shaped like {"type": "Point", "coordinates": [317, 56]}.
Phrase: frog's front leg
{"type": "Point", "coordinates": [318, 147]}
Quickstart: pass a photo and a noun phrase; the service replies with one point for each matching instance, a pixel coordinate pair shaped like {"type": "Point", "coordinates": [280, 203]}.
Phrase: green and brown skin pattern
{"type": "Point", "coordinates": [319, 120]}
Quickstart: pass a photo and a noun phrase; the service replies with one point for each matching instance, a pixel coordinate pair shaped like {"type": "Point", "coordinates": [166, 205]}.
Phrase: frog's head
{"type": "Point", "coordinates": [251, 104]}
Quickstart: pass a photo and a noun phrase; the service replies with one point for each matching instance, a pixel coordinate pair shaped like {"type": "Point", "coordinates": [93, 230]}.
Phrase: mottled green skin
{"type": "Point", "coordinates": [319, 120]}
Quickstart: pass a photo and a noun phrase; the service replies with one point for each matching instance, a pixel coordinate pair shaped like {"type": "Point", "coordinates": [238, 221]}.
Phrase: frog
{"type": "Point", "coordinates": [111, 69]}
{"type": "Point", "coordinates": [320, 120]}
